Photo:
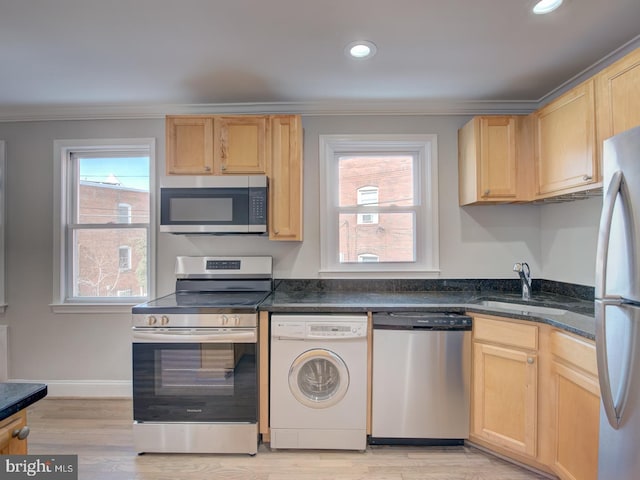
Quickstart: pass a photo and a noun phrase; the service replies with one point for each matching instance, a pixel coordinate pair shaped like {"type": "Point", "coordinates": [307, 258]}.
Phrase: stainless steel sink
{"type": "Point", "coordinates": [524, 309]}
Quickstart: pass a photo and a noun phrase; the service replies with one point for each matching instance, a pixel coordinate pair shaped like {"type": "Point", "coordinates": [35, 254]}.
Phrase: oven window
{"type": "Point", "coordinates": [195, 382]}
{"type": "Point", "coordinates": [208, 370]}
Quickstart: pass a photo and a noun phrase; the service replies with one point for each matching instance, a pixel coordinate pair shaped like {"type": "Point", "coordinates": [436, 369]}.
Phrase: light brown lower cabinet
{"type": "Point", "coordinates": [505, 385]}
{"type": "Point", "coordinates": [575, 407]}
{"type": "Point", "coordinates": [535, 396]}
{"type": "Point", "coordinates": [10, 442]}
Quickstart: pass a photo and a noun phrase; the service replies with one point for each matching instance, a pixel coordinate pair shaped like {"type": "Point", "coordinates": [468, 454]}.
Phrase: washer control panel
{"type": "Point", "coordinates": [317, 326]}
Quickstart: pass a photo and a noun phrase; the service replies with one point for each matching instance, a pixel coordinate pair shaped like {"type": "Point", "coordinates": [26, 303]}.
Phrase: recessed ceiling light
{"type": "Point", "coordinates": [361, 49]}
{"type": "Point", "coordinates": [546, 6]}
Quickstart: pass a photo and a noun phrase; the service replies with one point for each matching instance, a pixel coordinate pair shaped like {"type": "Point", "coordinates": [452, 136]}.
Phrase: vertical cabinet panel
{"type": "Point", "coordinates": [285, 177]}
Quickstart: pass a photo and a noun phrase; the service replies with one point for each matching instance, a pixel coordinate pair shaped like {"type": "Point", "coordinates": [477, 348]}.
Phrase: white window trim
{"type": "Point", "coordinates": [426, 147]}
{"type": "Point", "coordinates": [61, 151]}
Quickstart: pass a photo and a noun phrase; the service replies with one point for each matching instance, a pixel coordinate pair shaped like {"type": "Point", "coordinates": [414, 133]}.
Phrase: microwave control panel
{"type": "Point", "coordinates": [258, 206]}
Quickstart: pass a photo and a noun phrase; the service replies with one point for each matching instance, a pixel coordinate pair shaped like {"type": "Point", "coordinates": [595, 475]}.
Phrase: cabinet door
{"type": "Point", "coordinates": [498, 157]}
{"type": "Point", "coordinates": [577, 419]}
{"type": "Point", "coordinates": [189, 145]}
{"type": "Point", "coordinates": [285, 178]}
{"type": "Point", "coordinates": [487, 160]}
{"type": "Point", "coordinates": [618, 97]}
{"type": "Point", "coordinates": [575, 407]}
{"type": "Point", "coordinates": [505, 397]}
{"type": "Point", "coordinates": [565, 143]}
{"type": "Point", "coordinates": [241, 145]}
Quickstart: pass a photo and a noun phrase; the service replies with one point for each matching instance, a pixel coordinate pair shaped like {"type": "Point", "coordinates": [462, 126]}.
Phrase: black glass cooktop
{"type": "Point", "coordinates": [203, 302]}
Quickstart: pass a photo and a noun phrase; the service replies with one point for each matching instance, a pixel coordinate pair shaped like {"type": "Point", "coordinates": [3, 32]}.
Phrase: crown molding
{"type": "Point", "coordinates": [318, 108]}
{"type": "Point", "coordinates": [591, 70]}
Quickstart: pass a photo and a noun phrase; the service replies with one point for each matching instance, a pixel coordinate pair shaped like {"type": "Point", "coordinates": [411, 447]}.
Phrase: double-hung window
{"type": "Point", "coordinates": [379, 204]}
{"type": "Point", "coordinates": [103, 221]}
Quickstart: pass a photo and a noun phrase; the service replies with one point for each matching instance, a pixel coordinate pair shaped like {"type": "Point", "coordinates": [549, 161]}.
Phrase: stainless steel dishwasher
{"type": "Point", "coordinates": [421, 378]}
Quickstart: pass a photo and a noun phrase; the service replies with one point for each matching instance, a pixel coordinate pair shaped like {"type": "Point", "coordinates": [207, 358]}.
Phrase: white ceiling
{"type": "Point", "coordinates": [137, 54]}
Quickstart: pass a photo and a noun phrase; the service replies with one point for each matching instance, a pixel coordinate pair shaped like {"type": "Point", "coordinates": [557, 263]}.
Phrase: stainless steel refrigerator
{"type": "Point", "coordinates": [617, 309]}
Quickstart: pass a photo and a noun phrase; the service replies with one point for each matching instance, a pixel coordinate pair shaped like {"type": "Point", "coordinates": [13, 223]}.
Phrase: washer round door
{"type": "Point", "coordinates": [318, 378]}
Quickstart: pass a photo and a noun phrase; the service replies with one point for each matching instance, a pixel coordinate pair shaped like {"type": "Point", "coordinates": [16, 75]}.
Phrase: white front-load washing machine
{"type": "Point", "coordinates": [318, 388]}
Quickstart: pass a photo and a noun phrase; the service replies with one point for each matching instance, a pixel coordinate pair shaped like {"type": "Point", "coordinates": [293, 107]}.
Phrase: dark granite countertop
{"type": "Point", "coordinates": [577, 319]}
{"type": "Point", "coordinates": [17, 396]}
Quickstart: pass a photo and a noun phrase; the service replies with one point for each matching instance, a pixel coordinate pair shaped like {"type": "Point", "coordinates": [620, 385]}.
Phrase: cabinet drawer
{"type": "Point", "coordinates": [7, 427]}
{"type": "Point", "coordinates": [576, 351]}
{"type": "Point", "coordinates": [506, 333]}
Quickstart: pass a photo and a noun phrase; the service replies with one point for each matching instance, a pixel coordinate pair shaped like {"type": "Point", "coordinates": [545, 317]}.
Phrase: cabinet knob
{"type": "Point", "coordinates": [207, 168]}
{"type": "Point", "coordinates": [223, 168]}
{"type": "Point", "coordinates": [487, 192]}
{"type": "Point", "coordinates": [530, 360]}
{"type": "Point", "coordinates": [21, 433]}
{"type": "Point", "coordinates": [586, 178]}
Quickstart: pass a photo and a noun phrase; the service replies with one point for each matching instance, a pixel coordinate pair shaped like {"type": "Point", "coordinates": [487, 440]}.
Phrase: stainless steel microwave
{"type": "Point", "coordinates": [226, 204]}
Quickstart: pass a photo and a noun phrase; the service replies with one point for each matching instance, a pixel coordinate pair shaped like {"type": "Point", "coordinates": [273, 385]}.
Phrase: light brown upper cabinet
{"type": "Point", "coordinates": [241, 145]}
{"type": "Point", "coordinates": [245, 145]}
{"type": "Point", "coordinates": [618, 97]}
{"type": "Point", "coordinates": [565, 146]}
{"type": "Point", "coordinates": [189, 145]}
{"type": "Point", "coordinates": [217, 145]}
{"type": "Point", "coordinates": [285, 178]}
{"type": "Point", "coordinates": [487, 160]}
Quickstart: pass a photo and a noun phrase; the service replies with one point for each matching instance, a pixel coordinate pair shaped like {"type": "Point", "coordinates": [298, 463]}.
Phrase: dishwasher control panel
{"type": "Point", "coordinates": [421, 320]}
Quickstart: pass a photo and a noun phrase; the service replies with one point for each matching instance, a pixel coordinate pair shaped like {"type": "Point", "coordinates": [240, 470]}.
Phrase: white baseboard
{"type": "Point", "coordinates": [84, 388]}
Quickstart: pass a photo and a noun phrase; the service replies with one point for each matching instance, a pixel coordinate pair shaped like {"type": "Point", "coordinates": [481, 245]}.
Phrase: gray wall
{"type": "Point", "coordinates": [90, 354]}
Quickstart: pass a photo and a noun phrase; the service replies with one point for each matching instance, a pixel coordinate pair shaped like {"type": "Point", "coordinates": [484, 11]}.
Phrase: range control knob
{"type": "Point", "coordinates": [225, 320]}
{"type": "Point", "coordinates": [235, 320]}
{"type": "Point", "coordinates": [164, 320]}
{"type": "Point", "coordinates": [152, 320]}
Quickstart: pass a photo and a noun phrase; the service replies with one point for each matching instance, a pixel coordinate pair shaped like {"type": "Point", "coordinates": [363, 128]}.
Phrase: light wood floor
{"type": "Point", "coordinates": [100, 433]}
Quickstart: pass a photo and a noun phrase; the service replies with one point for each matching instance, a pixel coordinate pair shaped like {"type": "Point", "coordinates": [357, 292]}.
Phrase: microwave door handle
{"type": "Point", "coordinates": [191, 336]}
{"type": "Point", "coordinates": [616, 186]}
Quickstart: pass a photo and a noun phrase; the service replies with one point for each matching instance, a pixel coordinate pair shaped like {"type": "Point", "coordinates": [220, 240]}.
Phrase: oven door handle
{"type": "Point", "coordinates": [177, 335]}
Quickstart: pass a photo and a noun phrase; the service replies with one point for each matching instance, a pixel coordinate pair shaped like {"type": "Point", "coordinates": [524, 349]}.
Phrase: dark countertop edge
{"type": "Point", "coordinates": [38, 392]}
{"type": "Point", "coordinates": [552, 320]}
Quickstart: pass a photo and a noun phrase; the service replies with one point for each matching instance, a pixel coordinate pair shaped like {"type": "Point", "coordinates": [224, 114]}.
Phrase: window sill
{"type": "Point", "coordinates": [382, 274]}
{"type": "Point", "coordinates": [91, 308]}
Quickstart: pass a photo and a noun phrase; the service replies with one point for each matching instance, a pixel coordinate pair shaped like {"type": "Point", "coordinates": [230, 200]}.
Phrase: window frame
{"type": "Point", "coordinates": [424, 148]}
{"type": "Point", "coordinates": [63, 300]}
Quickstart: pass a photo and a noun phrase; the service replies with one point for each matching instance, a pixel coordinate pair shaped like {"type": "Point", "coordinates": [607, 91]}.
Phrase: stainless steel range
{"type": "Point", "coordinates": [195, 386]}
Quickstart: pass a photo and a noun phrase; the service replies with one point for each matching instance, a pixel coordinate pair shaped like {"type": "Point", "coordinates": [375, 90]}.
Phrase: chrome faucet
{"type": "Point", "coordinates": [525, 278]}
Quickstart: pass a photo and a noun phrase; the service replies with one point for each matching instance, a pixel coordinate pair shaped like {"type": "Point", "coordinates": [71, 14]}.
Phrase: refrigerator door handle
{"type": "Point", "coordinates": [614, 412]}
{"type": "Point", "coordinates": [616, 186]}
